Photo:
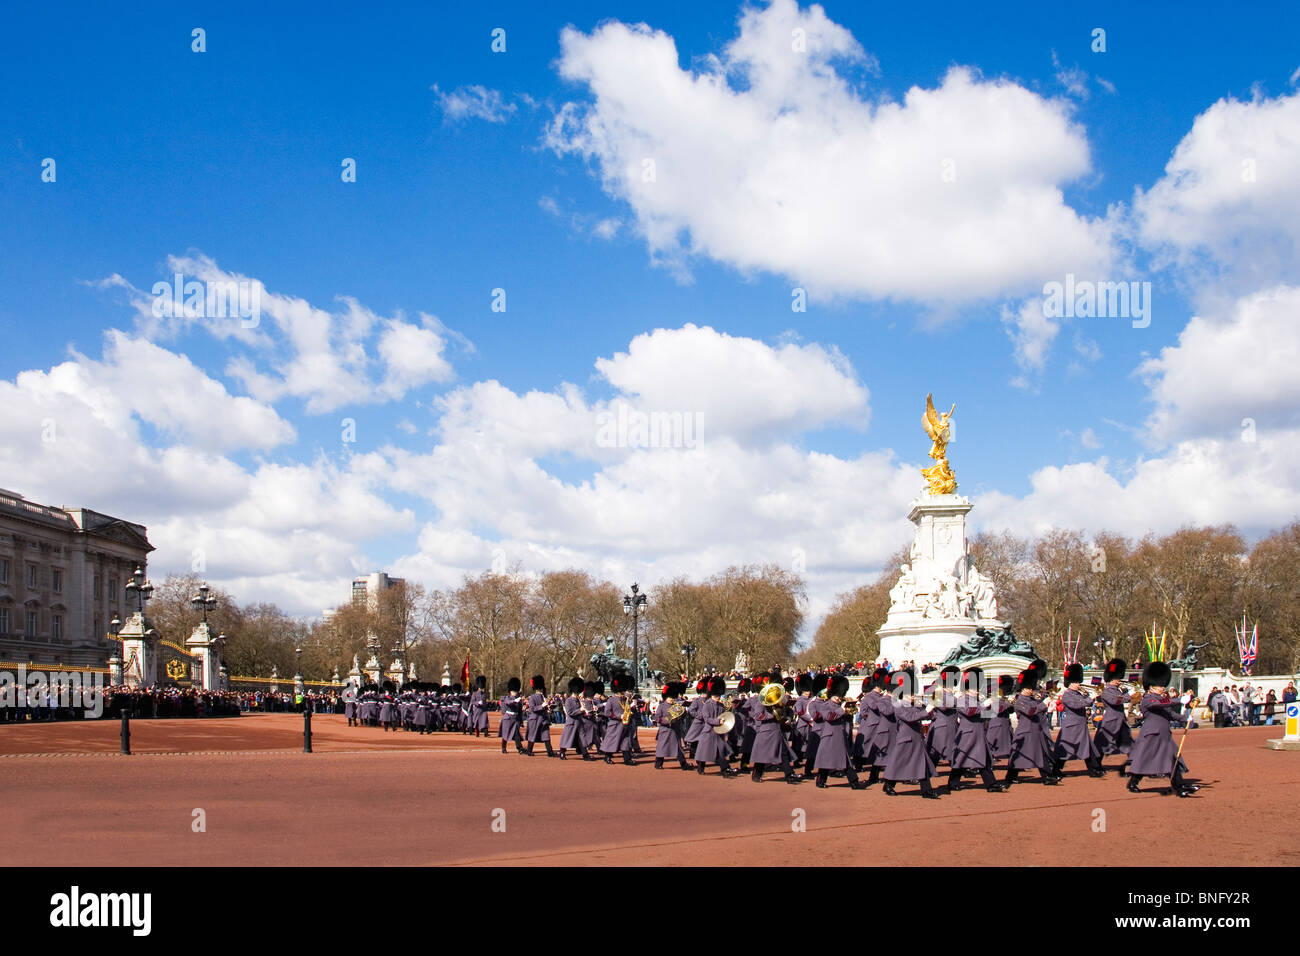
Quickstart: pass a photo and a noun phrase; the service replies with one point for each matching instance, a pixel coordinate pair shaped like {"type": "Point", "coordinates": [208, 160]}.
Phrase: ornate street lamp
{"type": "Point", "coordinates": [141, 588]}
{"type": "Point", "coordinates": [632, 603]}
{"type": "Point", "coordinates": [688, 652]}
{"type": "Point", "coordinates": [203, 600]}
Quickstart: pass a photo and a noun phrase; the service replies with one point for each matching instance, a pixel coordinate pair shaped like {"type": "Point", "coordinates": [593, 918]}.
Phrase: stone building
{"type": "Point", "coordinates": [63, 573]}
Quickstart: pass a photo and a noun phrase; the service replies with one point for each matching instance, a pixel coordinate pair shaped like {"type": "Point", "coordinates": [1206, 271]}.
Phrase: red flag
{"type": "Point", "coordinates": [464, 672]}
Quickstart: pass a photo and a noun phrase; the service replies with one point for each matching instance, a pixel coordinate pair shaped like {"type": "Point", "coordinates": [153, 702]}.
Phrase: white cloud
{"type": "Point", "coordinates": [1228, 204]}
{"type": "Point", "coordinates": [767, 159]}
{"type": "Point", "coordinates": [1228, 368]}
{"type": "Point", "coordinates": [474, 102]}
{"type": "Point", "coordinates": [1031, 332]}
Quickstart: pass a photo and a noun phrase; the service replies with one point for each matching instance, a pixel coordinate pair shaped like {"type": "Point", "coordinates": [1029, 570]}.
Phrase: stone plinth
{"type": "Point", "coordinates": [139, 652]}
{"type": "Point", "coordinates": [940, 598]}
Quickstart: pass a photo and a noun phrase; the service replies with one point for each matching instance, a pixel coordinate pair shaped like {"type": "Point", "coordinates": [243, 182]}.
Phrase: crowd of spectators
{"type": "Point", "coordinates": [159, 701]}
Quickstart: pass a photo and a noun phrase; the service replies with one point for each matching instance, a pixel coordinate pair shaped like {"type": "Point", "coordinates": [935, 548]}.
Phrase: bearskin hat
{"type": "Point", "coordinates": [588, 688]}
{"type": "Point", "coordinates": [622, 682]}
{"type": "Point", "coordinates": [787, 683]}
{"type": "Point", "coordinates": [480, 682]}
{"type": "Point", "coordinates": [514, 684]}
{"type": "Point", "coordinates": [717, 686]}
{"type": "Point", "coordinates": [600, 688]}
{"type": "Point", "coordinates": [838, 687]}
{"type": "Point", "coordinates": [456, 688]}
{"type": "Point", "coordinates": [1040, 667]}
{"type": "Point", "coordinates": [701, 686]}
{"type": "Point", "coordinates": [576, 685]}
{"type": "Point", "coordinates": [949, 675]}
{"type": "Point", "coordinates": [819, 682]}
{"type": "Point", "coordinates": [674, 689]}
{"type": "Point", "coordinates": [972, 679]}
{"type": "Point", "coordinates": [1074, 673]}
{"type": "Point", "coordinates": [1006, 683]}
{"type": "Point", "coordinates": [1028, 678]}
{"type": "Point", "coordinates": [744, 686]}
{"type": "Point", "coordinates": [389, 686]}
{"type": "Point", "coordinates": [879, 678]}
{"type": "Point", "coordinates": [803, 683]}
{"type": "Point", "coordinates": [1115, 668]}
{"type": "Point", "coordinates": [1156, 674]}
{"type": "Point", "coordinates": [538, 683]}
{"type": "Point", "coordinates": [903, 681]}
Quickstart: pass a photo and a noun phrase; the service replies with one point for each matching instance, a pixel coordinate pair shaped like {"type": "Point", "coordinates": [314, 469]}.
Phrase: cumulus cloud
{"type": "Point", "coordinates": [1227, 207]}
{"type": "Point", "coordinates": [1225, 369]}
{"type": "Point", "coordinates": [767, 158]}
{"type": "Point", "coordinates": [291, 348]}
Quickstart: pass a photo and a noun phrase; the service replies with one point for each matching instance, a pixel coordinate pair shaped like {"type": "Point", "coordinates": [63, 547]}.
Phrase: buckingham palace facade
{"type": "Point", "coordinates": [62, 577]}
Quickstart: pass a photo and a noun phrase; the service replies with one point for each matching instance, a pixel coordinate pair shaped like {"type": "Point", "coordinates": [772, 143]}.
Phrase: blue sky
{"type": "Point", "coordinates": [229, 160]}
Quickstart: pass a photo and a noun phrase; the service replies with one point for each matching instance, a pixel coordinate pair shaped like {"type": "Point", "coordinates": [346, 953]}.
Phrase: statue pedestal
{"type": "Point", "coordinates": [139, 652]}
{"type": "Point", "coordinates": [940, 598]}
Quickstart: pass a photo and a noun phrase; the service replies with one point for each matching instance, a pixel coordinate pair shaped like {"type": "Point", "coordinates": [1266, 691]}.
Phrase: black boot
{"type": "Point", "coordinates": [726, 769]}
{"type": "Point", "coordinates": [1012, 774]}
{"type": "Point", "coordinates": [530, 748]}
{"type": "Point", "coordinates": [560, 754]}
{"type": "Point", "coordinates": [927, 791]}
{"type": "Point", "coordinates": [609, 758]}
{"type": "Point", "coordinates": [681, 762]}
{"type": "Point", "coordinates": [1133, 780]}
{"type": "Point", "coordinates": [550, 751]}
{"type": "Point", "coordinates": [627, 758]}
{"type": "Point", "coordinates": [889, 788]}
{"type": "Point", "coordinates": [699, 768]}
{"type": "Point", "coordinates": [1094, 768]}
{"type": "Point", "coordinates": [503, 746]}
{"type": "Point", "coordinates": [954, 781]}
{"type": "Point", "coordinates": [757, 775]}
{"type": "Point", "coordinates": [659, 763]}
{"type": "Point", "coordinates": [821, 779]}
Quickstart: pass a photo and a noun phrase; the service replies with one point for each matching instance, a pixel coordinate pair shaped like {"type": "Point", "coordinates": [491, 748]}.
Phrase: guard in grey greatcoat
{"type": "Point", "coordinates": [539, 717]}
{"type": "Point", "coordinates": [817, 687]}
{"type": "Point", "coordinates": [970, 749]}
{"type": "Point", "coordinates": [769, 739]}
{"type": "Point", "coordinates": [943, 719]}
{"type": "Point", "coordinates": [871, 714]}
{"type": "Point", "coordinates": [478, 718]}
{"type": "Point", "coordinates": [801, 729]}
{"type": "Point", "coordinates": [746, 714]}
{"type": "Point", "coordinates": [909, 757]}
{"type": "Point", "coordinates": [835, 728]}
{"type": "Point", "coordinates": [999, 729]}
{"type": "Point", "coordinates": [1029, 749]}
{"type": "Point", "coordinates": [668, 735]}
{"type": "Point", "coordinates": [886, 726]}
{"type": "Point", "coordinates": [387, 707]}
{"type": "Point", "coordinates": [1074, 742]}
{"type": "Point", "coordinates": [618, 735]}
{"type": "Point", "coordinates": [574, 717]}
{"type": "Point", "coordinates": [350, 704]}
{"type": "Point", "coordinates": [1113, 734]}
{"type": "Point", "coordinates": [713, 747]}
{"type": "Point", "coordinates": [696, 728]}
{"type": "Point", "coordinates": [511, 715]}
{"type": "Point", "coordinates": [868, 717]}
{"type": "Point", "coordinates": [1154, 752]}
{"type": "Point", "coordinates": [590, 711]}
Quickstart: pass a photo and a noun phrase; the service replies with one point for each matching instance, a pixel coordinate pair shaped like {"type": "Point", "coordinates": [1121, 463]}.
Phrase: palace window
{"type": "Point", "coordinates": [4, 620]}
{"type": "Point", "coordinates": [112, 590]}
{"type": "Point", "coordinates": [99, 596]}
{"type": "Point", "coordinates": [31, 624]}
{"type": "Point", "coordinates": [31, 576]}
{"type": "Point", "coordinates": [56, 627]}
{"type": "Point", "coordinates": [56, 580]}
{"type": "Point", "coordinates": [4, 570]}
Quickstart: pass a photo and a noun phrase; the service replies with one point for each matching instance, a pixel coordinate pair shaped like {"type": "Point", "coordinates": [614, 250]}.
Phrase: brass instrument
{"type": "Point", "coordinates": [627, 710]}
{"type": "Point", "coordinates": [675, 712]}
{"type": "Point", "coordinates": [726, 722]}
{"type": "Point", "coordinates": [850, 707]}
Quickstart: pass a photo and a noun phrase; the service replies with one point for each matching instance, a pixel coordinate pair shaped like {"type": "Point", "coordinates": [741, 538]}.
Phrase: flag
{"type": "Point", "coordinates": [464, 672]}
{"type": "Point", "coordinates": [1247, 646]}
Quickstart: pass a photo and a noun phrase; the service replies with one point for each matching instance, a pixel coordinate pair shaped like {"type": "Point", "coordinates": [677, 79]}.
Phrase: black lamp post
{"type": "Point", "coordinates": [203, 600]}
{"type": "Point", "coordinates": [632, 603]}
{"type": "Point", "coordinates": [142, 590]}
{"type": "Point", "coordinates": [688, 651]}
{"type": "Point", "coordinates": [114, 626]}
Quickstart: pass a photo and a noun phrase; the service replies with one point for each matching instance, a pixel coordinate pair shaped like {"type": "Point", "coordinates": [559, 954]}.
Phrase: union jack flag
{"type": "Point", "coordinates": [1247, 644]}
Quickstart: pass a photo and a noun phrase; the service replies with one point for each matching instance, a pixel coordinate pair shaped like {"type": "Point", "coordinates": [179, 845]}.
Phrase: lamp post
{"type": "Point", "coordinates": [114, 626]}
{"type": "Point", "coordinates": [688, 652]}
{"type": "Point", "coordinates": [142, 590]}
{"type": "Point", "coordinates": [203, 600]}
{"type": "Point", "coordinates": [632, 603]}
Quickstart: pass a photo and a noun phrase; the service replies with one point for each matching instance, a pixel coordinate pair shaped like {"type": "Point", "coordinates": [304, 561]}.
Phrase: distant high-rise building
{"type": "Point", "coordinates": [369, 588]}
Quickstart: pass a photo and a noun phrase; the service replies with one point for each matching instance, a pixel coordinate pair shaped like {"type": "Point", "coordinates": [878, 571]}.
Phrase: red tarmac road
{"type": "Point", "coordinates": [71, 799]}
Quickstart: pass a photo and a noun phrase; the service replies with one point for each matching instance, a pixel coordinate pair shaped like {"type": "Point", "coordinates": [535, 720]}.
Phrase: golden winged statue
{"type": "Point", "coordinates": [939, 479]}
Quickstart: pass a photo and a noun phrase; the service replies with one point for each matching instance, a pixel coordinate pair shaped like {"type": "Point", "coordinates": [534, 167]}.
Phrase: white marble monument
{"type": "Point", "coordinates": [940, 597]}
{"type": "Point", "coordinates": [139, 652]}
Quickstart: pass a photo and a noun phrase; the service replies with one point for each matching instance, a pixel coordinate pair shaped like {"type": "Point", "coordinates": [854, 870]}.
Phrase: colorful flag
{"type": "Point", "coordinates": [1247, 644]}
{"type": "Point", "coordinates": [464, 671]}
{"type": "Point", "coordinates": [1155, 645]}
{"type": "Point", "coordinates": [1070, 646]}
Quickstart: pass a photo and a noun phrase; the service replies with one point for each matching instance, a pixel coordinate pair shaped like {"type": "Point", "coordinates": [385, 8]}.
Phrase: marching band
{"type": "Point", "coordinates": [904, 733]}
